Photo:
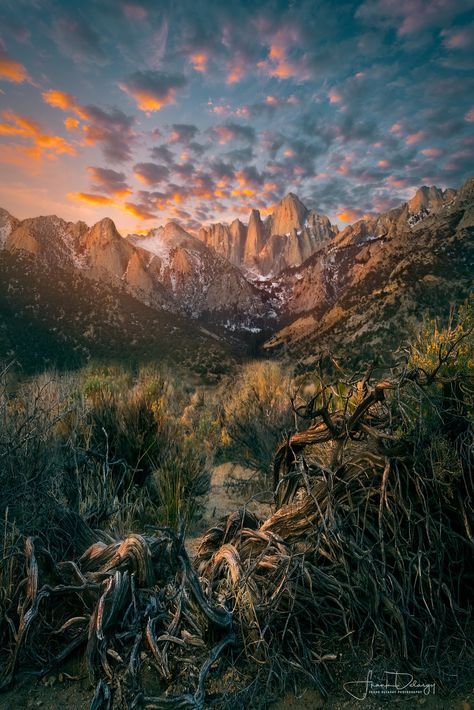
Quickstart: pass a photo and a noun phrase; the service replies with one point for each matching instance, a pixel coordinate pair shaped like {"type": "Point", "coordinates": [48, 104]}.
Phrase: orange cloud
{"type": "Point", "coordinates": [396, 182]}
{"type": "Point", "coordinates": [199, 61]}
{"type": "Point", "coordinates": [42, 144]}
{"type": "Point", "coordinates": [224, 134]}
{"type": "Point", "coordinates": [137, 211]}
{"type": "Point", "coordinates": [148, 102]}
{"type": "Point", "coordinates": [349, 216]}
{"type": "Point", "coordinates": [63, 101]}
{"type": "Point", "coordinates": [383, 163]}
{"type": "Point", "coordinates": [414, 137]}
{"type": "Point", "coordinates": [10, 70]}
{"type": "Point", "coordinates": [278, 63]}
{"type": "Point", "coordinates": [334, 97]}
{"type": "Point", "coordinates": [235, 73]}
{"type": "Point", "coordinates": [152, 89]}
{"type": "Point", "coordinates": [71, 123]}
{"type": "Point", "coordinates": [90, 199]}
{"type": "Point", "coordinates": [431, 152]}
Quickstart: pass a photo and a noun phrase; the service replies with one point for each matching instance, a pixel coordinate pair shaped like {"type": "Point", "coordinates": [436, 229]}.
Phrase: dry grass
{"type": "Point", "coordinates": [370, 546]}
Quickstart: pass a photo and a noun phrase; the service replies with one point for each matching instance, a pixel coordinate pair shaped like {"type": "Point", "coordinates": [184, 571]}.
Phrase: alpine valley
{"type": "Point", "coordinates": [292, 284]}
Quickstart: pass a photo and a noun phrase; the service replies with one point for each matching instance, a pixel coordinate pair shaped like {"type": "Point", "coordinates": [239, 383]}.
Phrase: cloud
{"type": "Point", "coordinates": [225, 133]}
{"type": "Point", "coordinates": [75, 36]}
{"type": "Point", "coordinates": [182, 133]}
{"type": "Point", "coordinates": [350, 215]}
{"type": "Point", "coordinates": [415, 137]}
{"type": "Point", "coordinates": [134, 12]}
{"type": "Point", "coordinates": [161, 152]}
{"type": "Point", "coordinates": [109, 181]}
{"type": "Point", "coordinates": [90, 199]}
{"type": "Point", "coordinates": [458, 38]}
{"type": "Point", "coordinates": [71, 123]}
{"type": "Point", "coordinates": [40, 144]}
{"type": "Point", "coordinates": [151, 173]}
{"type": "Point", "coordinates": [199, 61]}
{"type": "Point", "coordinates": [112, 130]}
{"type": "Point", "coordinates": [63, 101]}
{"type": "Point", "coordinates": [239, 156]}
{"type": "Point", "coordinates": [285, 58]}
{"type": "Point", "coordinates": [138, 210]}
{"type": "Point", "coordinates": [153, 89]}
{"type": "Point", "coordinates": [410, 16]}
{"type": "Point", "coordinates": [11, 70]}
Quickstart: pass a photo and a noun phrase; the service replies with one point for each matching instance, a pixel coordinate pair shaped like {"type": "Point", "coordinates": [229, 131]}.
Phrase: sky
{"type": "Point", "coordinates": [200, 110]}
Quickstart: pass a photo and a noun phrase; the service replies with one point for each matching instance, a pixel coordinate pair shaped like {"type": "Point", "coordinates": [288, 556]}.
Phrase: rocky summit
{"type": "Point", "coordinates": [286, 238]}
{"type": "Point", "coordinates": [292, 280]}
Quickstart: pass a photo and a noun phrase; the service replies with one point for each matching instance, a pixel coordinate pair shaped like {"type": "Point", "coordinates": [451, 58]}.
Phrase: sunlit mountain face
{"type": "Point", "coordinates": [198, 111]}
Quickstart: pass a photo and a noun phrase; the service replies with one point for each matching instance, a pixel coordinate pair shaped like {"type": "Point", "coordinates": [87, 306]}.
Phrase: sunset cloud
{"type": "Point", "coordinates": [151, 173]}
{"type": "Point", "coordinates": [222, 107]}
{"type": "Point", "coordinates": [112, 130]}
{"type": "Point", "coordinates": [138, 211]}
{"type": "Point", "coordinates": [39, 143]}
{"type": "Point", "coordinates": [109, 181]}
{"type": "Point", "coordinates": [199, 61]}
{"type": "Point", "coordinates": [182, 133]}
{"type": "Point", "coordinates": [11, 70]}
{"type": "Point", "coordinates": [153, 89]}
{"type": "Point", "coordinates": [349, 215]}
{"type": "Point", "coordinates": [63, 101]}
{"type": "Point", "coordinates": [90, 199]}
{"type": "Point", "coordinates": [225, 133]}
{"type": "Point", "coordinates": [414, 137]}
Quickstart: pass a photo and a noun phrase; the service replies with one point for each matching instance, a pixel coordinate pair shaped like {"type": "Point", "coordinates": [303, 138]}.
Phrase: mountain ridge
{"type": "Point", "coordinates": [292, 294]}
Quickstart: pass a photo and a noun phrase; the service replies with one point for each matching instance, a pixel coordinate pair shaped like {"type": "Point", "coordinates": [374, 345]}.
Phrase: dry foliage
{"type": "Point", "coordinates": [371, 544]}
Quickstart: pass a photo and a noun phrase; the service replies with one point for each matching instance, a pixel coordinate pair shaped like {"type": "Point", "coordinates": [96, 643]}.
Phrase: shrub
{"type": "Point", "coordinates": [256, 414]}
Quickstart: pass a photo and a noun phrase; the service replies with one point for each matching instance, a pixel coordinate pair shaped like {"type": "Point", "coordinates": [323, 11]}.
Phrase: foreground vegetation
{"type": "Point", "coordinates": [370, 545]}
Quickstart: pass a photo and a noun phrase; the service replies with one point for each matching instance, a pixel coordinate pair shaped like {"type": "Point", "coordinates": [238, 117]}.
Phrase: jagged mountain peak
{"type": "Point", "coordinates": [290, 213]}
{"type": "Point", "coordinates": [103, 232]}
{"type": "Point", "coordinates": [430, 198]}
{"type": "Point", "coordinates": [173, 229]}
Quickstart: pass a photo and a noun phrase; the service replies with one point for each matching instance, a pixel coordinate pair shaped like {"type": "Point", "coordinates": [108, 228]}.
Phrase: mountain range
{"type": "Point", "coordinates": [293, 281]}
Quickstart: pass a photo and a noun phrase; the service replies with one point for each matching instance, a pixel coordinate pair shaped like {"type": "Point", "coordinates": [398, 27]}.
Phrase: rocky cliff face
{"type": "Point", "coordinates": [168, 268]}
{"type": "Point", "coordinates": [373, 282]}
{"type": "Point", "coordinates": [366, 284]}
{"type": "Point", "coordinates": [285, 239]}
{"type": "Point", "coordinates": [198, 278]}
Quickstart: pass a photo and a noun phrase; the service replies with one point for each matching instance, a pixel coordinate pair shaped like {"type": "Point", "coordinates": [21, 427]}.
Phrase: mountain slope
{"type": "Point", "coordinates": [373, 283]}
{"type": "Point", "coordinates": [167, 269]}
{"type": "Point", "coordinates": [201, 281]}
{"type": "Point", "coordinates": [89, 290]}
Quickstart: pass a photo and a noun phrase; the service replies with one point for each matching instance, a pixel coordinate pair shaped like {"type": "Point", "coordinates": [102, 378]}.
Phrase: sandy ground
{"type": "Point", "coordinates": [231, 487]}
